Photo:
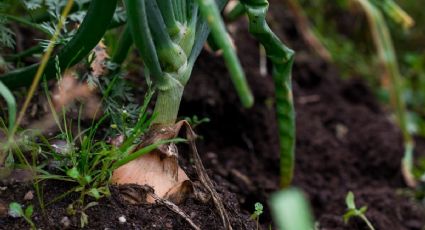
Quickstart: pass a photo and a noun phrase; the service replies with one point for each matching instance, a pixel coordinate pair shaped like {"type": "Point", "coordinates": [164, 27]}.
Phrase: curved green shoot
{"type": "Point", "coordinates": [211, 14]}
{"type": "Point", "coordinates": [282, 58]}
{"type": "Point", "coordinates": [11, 104]}
{"type": "Point", "coordinates": [386, 53]}
{"type": "Point", "coordinates": [395, 12]}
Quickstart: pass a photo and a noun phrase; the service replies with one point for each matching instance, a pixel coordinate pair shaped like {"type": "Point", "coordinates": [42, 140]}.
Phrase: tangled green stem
{"type": "Point", "coordinates": [282, 58]}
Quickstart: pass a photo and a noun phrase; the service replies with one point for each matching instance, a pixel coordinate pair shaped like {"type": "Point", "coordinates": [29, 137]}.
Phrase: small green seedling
{"type": "Point", "coordinates": [195, 120]}
{"type": "Point", "coordinates": [16, 211]}
{"type": "Point", "coordinates": [84, 218]}
{"type": "Point", "coordinates": [352, 211]}
{"type": "Point", "coordinates": [257, 213]}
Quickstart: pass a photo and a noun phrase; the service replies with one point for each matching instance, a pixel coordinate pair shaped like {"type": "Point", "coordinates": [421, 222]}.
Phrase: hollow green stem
{"type": "Point", "coordinates": [170, 55]}
{"type": "Point", "coordinates": [168, 102]}
{"type": "Point", "coordinates": [211, 14]}
{"type": "Point", "coordinates": [177, 10]}
{"type": "Point", "coordinates": [236, 12]}
{"type": "Point", "coordinates": [166, 7]}
{"type": "Point", "coordinates": [282, 58]}
{"type": "Point", "coordinates": [124, 44]}
{"type": "Point", "coordinates": [142, 37]}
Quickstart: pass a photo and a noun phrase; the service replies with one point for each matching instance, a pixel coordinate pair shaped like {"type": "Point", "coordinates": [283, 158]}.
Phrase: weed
{"type": "Point", "coordinates": [16, 211]}
{"type": "Point", "coordinates": [257, 213]}
{"type": "Point", "coordinates": [353, 211]}
{"type": "Point", "coordinates": [84, 218]}
{"type": "Point", "coordinates": [195, 121]}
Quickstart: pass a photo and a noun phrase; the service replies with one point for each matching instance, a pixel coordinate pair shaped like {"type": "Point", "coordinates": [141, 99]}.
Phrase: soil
{"type": "Point", "coordinates": [345, 142]}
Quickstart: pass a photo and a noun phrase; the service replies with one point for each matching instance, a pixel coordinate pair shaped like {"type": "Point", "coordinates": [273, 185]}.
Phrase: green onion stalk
{"type": "Point", "coordinates": [282, 59]}
{"type": "Point", "coordinates": [169, 35]}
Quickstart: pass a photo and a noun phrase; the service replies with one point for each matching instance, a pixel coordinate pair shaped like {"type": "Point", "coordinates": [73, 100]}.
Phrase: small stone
{"type": "Point", "coordinates": [122, 219]}
{"type": "Point", "coordinates": [341, 131]}
{"type": "Point", "coordinates": [29, 195]}
{"type": "Point", "coordinates": [66, 223]}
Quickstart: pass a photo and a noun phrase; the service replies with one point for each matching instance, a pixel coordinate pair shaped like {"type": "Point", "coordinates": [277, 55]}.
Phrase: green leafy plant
{"type": "Point", "coordinates": [16, 211]}
{"type": "Point", "coordinates": [90, 165]}
{"type": "Point", "coordinates": [353, 211]}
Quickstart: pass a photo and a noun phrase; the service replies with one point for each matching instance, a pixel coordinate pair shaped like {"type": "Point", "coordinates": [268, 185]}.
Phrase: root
{"type": "Point", "coordinates": [203, 176]}
{"type": "Point", "coordinates": [175, 209]}
{"type": "Point", "coordinates": [136, 194]}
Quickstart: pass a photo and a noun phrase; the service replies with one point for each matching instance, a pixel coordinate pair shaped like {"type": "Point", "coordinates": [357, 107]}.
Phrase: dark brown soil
{"type": "Point", "coordinates": [345, 142]}
{"type": "Point", "coordinates": [106, 214]}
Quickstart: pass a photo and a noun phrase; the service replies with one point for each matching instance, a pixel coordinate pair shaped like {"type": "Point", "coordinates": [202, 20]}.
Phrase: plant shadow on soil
{"type": "Point", "coordinates": [345, 142]}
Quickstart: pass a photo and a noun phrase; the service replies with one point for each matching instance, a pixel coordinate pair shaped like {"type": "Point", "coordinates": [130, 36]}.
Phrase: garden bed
{"type": "Point", "coordinates": [345, 142]}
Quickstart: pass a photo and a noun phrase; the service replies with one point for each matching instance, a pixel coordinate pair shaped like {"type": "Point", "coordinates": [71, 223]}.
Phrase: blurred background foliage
{"type": "Point", "coordinates": [342, 28]}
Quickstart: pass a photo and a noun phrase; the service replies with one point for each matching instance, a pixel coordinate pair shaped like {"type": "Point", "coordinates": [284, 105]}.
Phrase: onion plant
{"type": "Point", "coordinates": [170, 35]}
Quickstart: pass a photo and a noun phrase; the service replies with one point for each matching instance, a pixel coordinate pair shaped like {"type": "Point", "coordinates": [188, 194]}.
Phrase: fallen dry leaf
{"type": "Point", "coordinates": [98, 64]}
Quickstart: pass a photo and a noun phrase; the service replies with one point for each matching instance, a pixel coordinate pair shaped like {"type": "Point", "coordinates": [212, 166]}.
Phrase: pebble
{"type": "Point", "coordinates": [169, 225]}
{"type": "Point", "coordinates": [122, 219]}
{"type": "Point", "coordinates": [65, 222]}
{"type": "Point", "coordinates": [29, 195]}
